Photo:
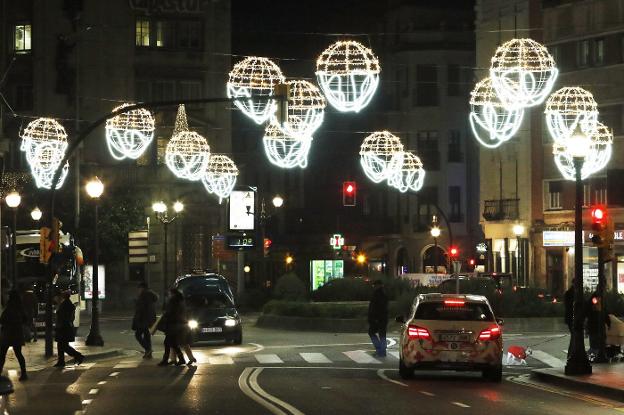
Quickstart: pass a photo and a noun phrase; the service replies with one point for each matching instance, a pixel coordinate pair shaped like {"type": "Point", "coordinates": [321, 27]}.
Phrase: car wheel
{"type": "Point", "coordinates": [494, 374]}
{"type": "Point", "coordinates": [404, 371]}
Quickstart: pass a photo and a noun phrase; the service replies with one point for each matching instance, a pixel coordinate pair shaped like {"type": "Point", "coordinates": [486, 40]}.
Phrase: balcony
{"type": "Point", "coordinates": [501, 209]}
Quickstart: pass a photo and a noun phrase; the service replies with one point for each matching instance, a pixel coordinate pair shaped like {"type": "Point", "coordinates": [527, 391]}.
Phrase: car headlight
{"type": "Point", "coordinates": [193, 324]}
{"type": "Point", "coordinates": [230, 322]}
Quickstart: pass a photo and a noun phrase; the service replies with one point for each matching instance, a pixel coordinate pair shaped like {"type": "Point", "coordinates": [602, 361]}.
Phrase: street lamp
{"type": "Point", "coordinates": [278, 201]}
{"type": "Point", "coordinates": [94, 189]}
{"type": "Point", "coordinates": [13, 200]}
{"type": "Point", "coordinates": [518, 230]}
{"type": "Point", "coordinates": [578, 145]}
{"type": "Point", "coordinates": [160, 209]}
{"type": "Point", "coordinates": [36, 214]}
{"type": "Point", "coordinates": [435, 234]}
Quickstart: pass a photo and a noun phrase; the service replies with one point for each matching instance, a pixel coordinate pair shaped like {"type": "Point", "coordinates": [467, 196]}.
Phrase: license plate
{"type": "Point", "coordinates": [211, 330]}
{"type": "Point", "coordinates": [454, 337]}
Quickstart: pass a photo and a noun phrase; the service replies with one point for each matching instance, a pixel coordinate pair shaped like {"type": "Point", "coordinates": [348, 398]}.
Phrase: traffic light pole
{"type": "Point", "coordinates": [601, 354]}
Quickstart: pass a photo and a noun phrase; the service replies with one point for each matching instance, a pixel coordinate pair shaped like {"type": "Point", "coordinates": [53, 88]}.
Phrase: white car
{"type": "Point", "coordinates": [451, 332]}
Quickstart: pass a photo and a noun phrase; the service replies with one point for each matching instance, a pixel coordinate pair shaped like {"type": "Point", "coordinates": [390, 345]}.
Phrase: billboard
{"type": "Point", "coordinates": [88, 282]}
{"type": "Point", "coordinates": [324, 270]}
{"type": "Point", "coordinates": [242, 209]}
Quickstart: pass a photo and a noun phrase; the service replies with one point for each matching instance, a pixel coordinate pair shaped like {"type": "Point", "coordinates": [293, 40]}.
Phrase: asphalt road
{"type": "Point", "coordinates": [285, 372]}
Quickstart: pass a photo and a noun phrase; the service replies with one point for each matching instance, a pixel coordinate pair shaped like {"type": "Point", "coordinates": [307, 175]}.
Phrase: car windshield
{"type": "Point", "coordinates": [213, 300]}
{"type": "Point", "coordinates": [463, 312]}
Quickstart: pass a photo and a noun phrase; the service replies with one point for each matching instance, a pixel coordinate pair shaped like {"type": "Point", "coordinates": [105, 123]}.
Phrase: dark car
{"type": "Point", "coordinates": [211, 311]}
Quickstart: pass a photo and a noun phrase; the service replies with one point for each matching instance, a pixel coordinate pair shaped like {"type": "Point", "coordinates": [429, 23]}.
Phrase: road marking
{"type": "Point", "coordinates": [127, 364]}
{"type": "Point", "coordinates": [114, 374]}
{"type": "Point", "coordinates": [548, 359]}
{"type": "Point", "coordinates": [315, 358]}
{"type": "Point", "coordinates": [382, 375]}
{"type": "Point", "coordinates": [461, 405]}
{"type": "Point", "coordinates": [394, 353]}
{"type": "Point", "coordinates": [427, 393]}
{"type": "Point", "coordinates": [360, 356]}
{"type": "Point", "coordinates": [102, 382]}
{"type": "Point", "coordinates": [94, 391]}
{"type": "Point", "coordinates": [299, 346]}
{"type": "Point", "coordinates": [220, 360]}
{"type": "Point", "coordinates": [87, 401]}
{"type": "Point", "coordinates": [267, 359]}
{"type": "Point", "coordinates": [390, 342]}
{"type": "Point", "coordinates": [258, 348]}
{"type": "Point", "coordinates": [248, 383]}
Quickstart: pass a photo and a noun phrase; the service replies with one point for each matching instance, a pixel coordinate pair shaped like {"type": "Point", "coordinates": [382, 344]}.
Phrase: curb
{"type": "Point", "coordinates": [580, 383]}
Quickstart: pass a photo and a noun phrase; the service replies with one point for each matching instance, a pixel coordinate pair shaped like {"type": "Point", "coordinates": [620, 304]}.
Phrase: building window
{"type": "Point", "coordinates": [23, 38]}
{"type": "Point", "coordinates": [426, 86]}
{"type": "Point", "coordinates": [142, 32]}
{"type": "Point", "coordinates": [189, 34]}
{"type": "Point", "coordinates": [586, 195]}
{"type": "Point", "coordinates": [554, 195]}
{"type": "Point", "coordinates": [164, 34]}
{"type": "Point", "coordinates": [454, 147]}
{"type": "Point", "coordinates": [600, 192]}
{"type": "Point", "coordinates": [427, 142]}
{"type": "Point", "coordinates": [583, 53]}
{"type": "Point", "coordinates": [453, 81]}
{"type": "Point", "coordinates": [598, 51]}
{"type": "Point", "coordinates": [142, 91]}
{"type": "Point", "coordinates": [427, 201]}
{"type": "Point", "coordinates": [455, 204]}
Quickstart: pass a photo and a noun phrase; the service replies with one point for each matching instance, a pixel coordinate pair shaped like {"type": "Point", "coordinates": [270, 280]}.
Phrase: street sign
{"type": "Point", "coordinates": [138, 247]}
{"type": "Point", "coordinates": [240, 242]}
{"type": "Point", "coordinates": [242, 207]}
{"type": "Point", "coordinates": [336, 241]}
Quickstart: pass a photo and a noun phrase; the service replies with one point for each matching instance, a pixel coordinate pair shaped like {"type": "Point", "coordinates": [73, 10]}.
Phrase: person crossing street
{"type": "Point", "coordinates": [378, 318]}
{"type": "Point", "coordinates": [144, 318]}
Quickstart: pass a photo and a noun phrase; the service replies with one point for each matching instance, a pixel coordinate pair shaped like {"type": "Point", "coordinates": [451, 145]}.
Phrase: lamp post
{"type": "Point", "coordinates": [36, 214]}
{"type": "Point", "coordinates": [277, 202]}
{"type": "Point", "coordinates": [160, 209]}
{"type": "Point", "coordinates": [578, 145]}
{"type": "Point", "coordinates": [94, 189]}
{"type": "Point", "coordinates": [435, 233]}
{"type": "Point", "coordinates": [518, 230]}
{"type": "Point", "coordinates": [13, 200]}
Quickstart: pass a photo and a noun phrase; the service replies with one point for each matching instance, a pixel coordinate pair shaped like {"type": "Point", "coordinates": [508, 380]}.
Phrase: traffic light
{"type": "Point", "coordinates": [45, 245]}
{"type": "Point", "coordinates": [471, 264]}
{"type": "Point", "coordinates": [454, 252]}
{"type": "Point", "coordinates": [266, 245]}
{"type": "Point", "coordinates": [349, 191]}
{"type": "Point", "coordinates": [602, 227]}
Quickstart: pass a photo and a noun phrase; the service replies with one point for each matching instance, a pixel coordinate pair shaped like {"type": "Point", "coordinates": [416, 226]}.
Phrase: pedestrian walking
{"type": "Point", "coordinates": [186, 337]}
{"type": "Point", "coordinates": [29, 301]}
{"type": "Point", "coordinates": [65, 331]}
{"type": "Point", "coordinates": [172, 324]}
{"type": "Point", "coordinates": [13, 319]}
{"type": "Point", "coordinates": [144, 318]}
{"type": "Point", "coordinates": [378, 318]}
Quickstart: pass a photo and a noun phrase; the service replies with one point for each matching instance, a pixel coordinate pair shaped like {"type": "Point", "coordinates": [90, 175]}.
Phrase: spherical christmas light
{"type": "Point", "coordinates": [568, 108]}
{"type": "Point", "coordinates": [381, 155]}
{"type": "Point", "coordinates": [411, 175]}
{"type": "Point", "coordinates": [220, 177]}
{"type": "Point", "coordinates": [492, 121]}
{"type": "Point", "coordinates": [306, 108]}
{"type": "Point", "coordinates": [348, 73]}
{"type": "Point", "coordinates": [284, 150]}
{"type": "Point", "coordinates": [523, 72]}
{"type": "Point", "coordinates": [255, 77]}
{"type": "Point", "coordinates": [129, 134]}
{"type": "Point", "coordinates": [596, 157]}
{"type": "Point", "coordinates": [187, 155]}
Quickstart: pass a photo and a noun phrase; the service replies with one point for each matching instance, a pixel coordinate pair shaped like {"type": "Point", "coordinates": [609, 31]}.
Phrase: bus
{"type": "Point", "coordinates": [32, 274]}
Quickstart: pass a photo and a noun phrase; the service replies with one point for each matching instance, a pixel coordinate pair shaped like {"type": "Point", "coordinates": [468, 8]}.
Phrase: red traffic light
{"type": "Point", "coordinates": [454, 251]}
{"type": "Point", "coordinates": [267, 243]}
{"type": "Point", "coordinates": [349, 190]}
{"type": "Point", "coordinates": [599, 214]}
{"type": "Point", "coordinates": [471, 261]}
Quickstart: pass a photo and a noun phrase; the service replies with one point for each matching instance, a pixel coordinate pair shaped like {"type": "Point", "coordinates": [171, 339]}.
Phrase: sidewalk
{"type": "Point", "coordinates": [606, 380]}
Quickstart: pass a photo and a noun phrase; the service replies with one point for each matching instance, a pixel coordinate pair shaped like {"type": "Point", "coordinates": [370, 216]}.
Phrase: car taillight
{"type": "Point", "coordinates": [492, 333]}
{"type": "Point", "coordinates": [415, 332]}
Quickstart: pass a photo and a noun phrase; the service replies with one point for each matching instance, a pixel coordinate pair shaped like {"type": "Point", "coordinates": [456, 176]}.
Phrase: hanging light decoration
{"type": "Point", "coordinates": [44, 141]}
{"type": "Point", "coordinates": [411, 175]}
{"type": "Point", "coordinates": [597, 157]}
{"type": "Point", "coordinates": [284, 150]}
{"type": "Point", "coordinates": [129, 134]}
{"type": "Point", "coordinates": [492, 122]}
{"type": "Point", "coordinates": [523, 72]}
{"type": "Point", "coordinates": [306, 108]}
{"type": "Point", "coordinates": [187, 155]}
{"type": "Point", "coordinates": [569, 107]}
{"type": "Point", "coordinates": [381, 155]}
{"type": "Point", "coordinates": [348, 73]}
{"type": "Point", "coordinates": [220, 176]}
{"type": "Point", "coordinates": [255, 77]}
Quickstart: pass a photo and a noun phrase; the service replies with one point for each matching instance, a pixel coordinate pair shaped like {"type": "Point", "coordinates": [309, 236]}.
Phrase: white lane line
{"type": "Point", "coordinates": [548, 359]}
{"type": "Point", "coordinates": [382, 375]}
{"type": "Point", "coordinates": [102, 382]}
{"type": "Point", "coordinates": [315, 358]}
{"type": "Point", "coordinates": [461, 405]}
{"type": "Point", "coordinates": [127, 364]}
{"type": "Point", "coordinates": [247, 390]}
{"type": "Point", "coordinates": [87, 401]}
{"type": "Point", "coordinates": [267, 359]}
{"type": "Point", "coordinates": [360, 356]}
{"type": "Point", "coordinates": [394, 353]}
{"type": "Point", "coordinates": [94, 391]}
{"type": "Point", "coordinates": [427, 393]}
{"type": "Point", "coordinates": [220, 360]}
{"type": "Point", "coordinates": [253, 382]}
{"type": "Point", "coordinates": [114, 374]}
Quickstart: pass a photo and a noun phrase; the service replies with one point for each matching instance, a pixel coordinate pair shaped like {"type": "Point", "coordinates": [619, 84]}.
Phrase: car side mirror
{"type": "Point", "coordinates": [400, 319]}
{"type": "Point", "coordinates": [500, 321]}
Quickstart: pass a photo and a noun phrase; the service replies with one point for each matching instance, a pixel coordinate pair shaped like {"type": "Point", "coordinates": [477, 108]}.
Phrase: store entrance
{"type": "Point", "coordinates": [554, 272]}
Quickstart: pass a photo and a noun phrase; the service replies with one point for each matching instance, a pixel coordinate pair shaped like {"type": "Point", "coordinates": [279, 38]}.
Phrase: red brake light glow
{"type": "Point", "coordinates": [492, 333]}
{"type": "Point", "coordinates": [415, 332]}
{"type": "Point", "coordinates": [456, 303]}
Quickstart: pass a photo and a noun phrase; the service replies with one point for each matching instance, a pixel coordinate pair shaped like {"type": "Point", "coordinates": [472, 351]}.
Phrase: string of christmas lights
{"type": "Point", "coordinates": [411, 175]}
{"type": "Point", "coordinates": [306, 109]}
{"type": "Point", "coordinates": [568, 107]}
{"type": "Point", "coordinates": [220, 177]}
{"type": "Point", "coordinates": [285, 151]}
{"type": "Point", "coordinates": [129, 134]}
{"type": "Point", "coordinates": [381, 155]}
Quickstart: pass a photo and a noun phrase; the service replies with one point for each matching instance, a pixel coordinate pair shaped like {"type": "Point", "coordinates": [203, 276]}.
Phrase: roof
{"type": "Point", "coordinates": [441, 297]}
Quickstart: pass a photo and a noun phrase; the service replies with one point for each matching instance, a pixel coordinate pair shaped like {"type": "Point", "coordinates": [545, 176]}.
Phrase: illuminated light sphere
{"type": "Point", "coordinates": [220, 177]}
{"type": "Point", "coordinates": [284, 150]}
{"type": "Point", "coordinates": [523, 72]}
{"type": "Point", "coordinates": [348, 73]}
{"type": "Point", "coordinates": [44, 141]}
{"type": "Point", "coordinates": [255, 77]}
{"type": "Point", "coordinates": [129, 134]}
{"type": "Point", "coordinates": [569, 107]}
{"type": "Point", "coordinates": [381, 155]}
{"type": "Point", "coordinates": [411, 174]}
{"type": "Point", "coordinates": [492, 122]}
{"type": "Point", "coordinates": [187, 155]}
{"type": "Point", "coordinates": [596, 157]}
{"type": "Point", "coordinates": [306, 108]}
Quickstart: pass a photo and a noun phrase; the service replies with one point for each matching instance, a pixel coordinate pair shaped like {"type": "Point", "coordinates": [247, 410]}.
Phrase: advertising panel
{"type": "Point", "coordinates": [324, 270]}
{"type": "Point", "coordinates": [88, 282]}
{"type": "Point", "coordinates": [242, 205]}
{"type": "Point", "coordinates": [558, 238]}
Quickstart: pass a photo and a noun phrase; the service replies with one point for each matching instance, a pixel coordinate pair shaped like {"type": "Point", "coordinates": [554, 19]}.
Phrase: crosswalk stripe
{"type": "Point", "coordinates": [394, 353]}
{"type": "Point", "coordinates": [268, 359]}
{"type": "Point", "coordinates": [220, 360]}
{"type": "Point", "coordinates": [360, 356]}
{"type": "Point", "coordinates": [315, 358]}
{"type": "Point", "coordinates": [546, 358]}
{"type": "Point", "coordinates": [127, 364]}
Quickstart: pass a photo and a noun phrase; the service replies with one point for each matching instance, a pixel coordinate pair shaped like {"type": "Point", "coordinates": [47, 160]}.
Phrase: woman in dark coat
{"type": "Point", "coordinates": [65, 333]}
{"type": "Point", "coordinates": [12, 320]}
{"type": "Point", "coordinates": [172, 324]}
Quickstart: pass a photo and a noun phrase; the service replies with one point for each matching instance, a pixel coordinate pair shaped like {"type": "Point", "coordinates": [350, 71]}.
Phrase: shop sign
{"type": "Point", "coordinates": [558, 238]}
{"type": "Point", "coordinates": [618, 235]}
{"type": "Point", "coordinates": [323, 271]}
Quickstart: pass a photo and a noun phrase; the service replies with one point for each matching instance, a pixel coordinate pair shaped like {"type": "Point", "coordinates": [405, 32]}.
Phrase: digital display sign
{"type": "Point", "coordinates": [240, 241]}
{"type": "Point", "coordinates": [325, 270]}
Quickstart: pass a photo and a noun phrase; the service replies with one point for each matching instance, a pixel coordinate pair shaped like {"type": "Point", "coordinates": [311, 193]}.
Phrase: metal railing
{"type": "Point", "coordinates": [501, 209]}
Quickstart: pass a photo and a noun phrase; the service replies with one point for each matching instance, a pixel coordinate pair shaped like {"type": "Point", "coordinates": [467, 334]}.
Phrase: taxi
{"type": "Point", "coordinates": [451, 332]}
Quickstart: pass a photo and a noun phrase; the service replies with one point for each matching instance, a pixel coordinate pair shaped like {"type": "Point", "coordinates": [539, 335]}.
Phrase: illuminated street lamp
{"type": "Point", "coordinates": [361, 259]}
{"type": "Point", "coordinates": [36, 214]}
{"type": "Point", "coordinates": [13, 200]}
{"type": "Point", "coordinates": [161, 211]}
{"type": "Point", "coordinates": [94, 189]}
{"type": "Point", "coordinates": [435, 234]}
{"type": "Point", "coordinates": [278, 201]}
{"type": "Point", "coordinates": [518, 230]}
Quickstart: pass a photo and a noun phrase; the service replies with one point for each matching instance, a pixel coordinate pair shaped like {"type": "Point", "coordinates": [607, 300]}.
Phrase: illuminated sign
{"type": "Point", "coordinates": [240, 241]}
{"type": "Point", "coordinates": [88, 282]}
{"type": "Point", "coordinates": [336, 241]}
{"type": "Point", "coordinates": [322, 271]}
{"type": "Point", "coordinates": [242, 205]}
{"type": "Point", "coordinates": [558, 238]}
